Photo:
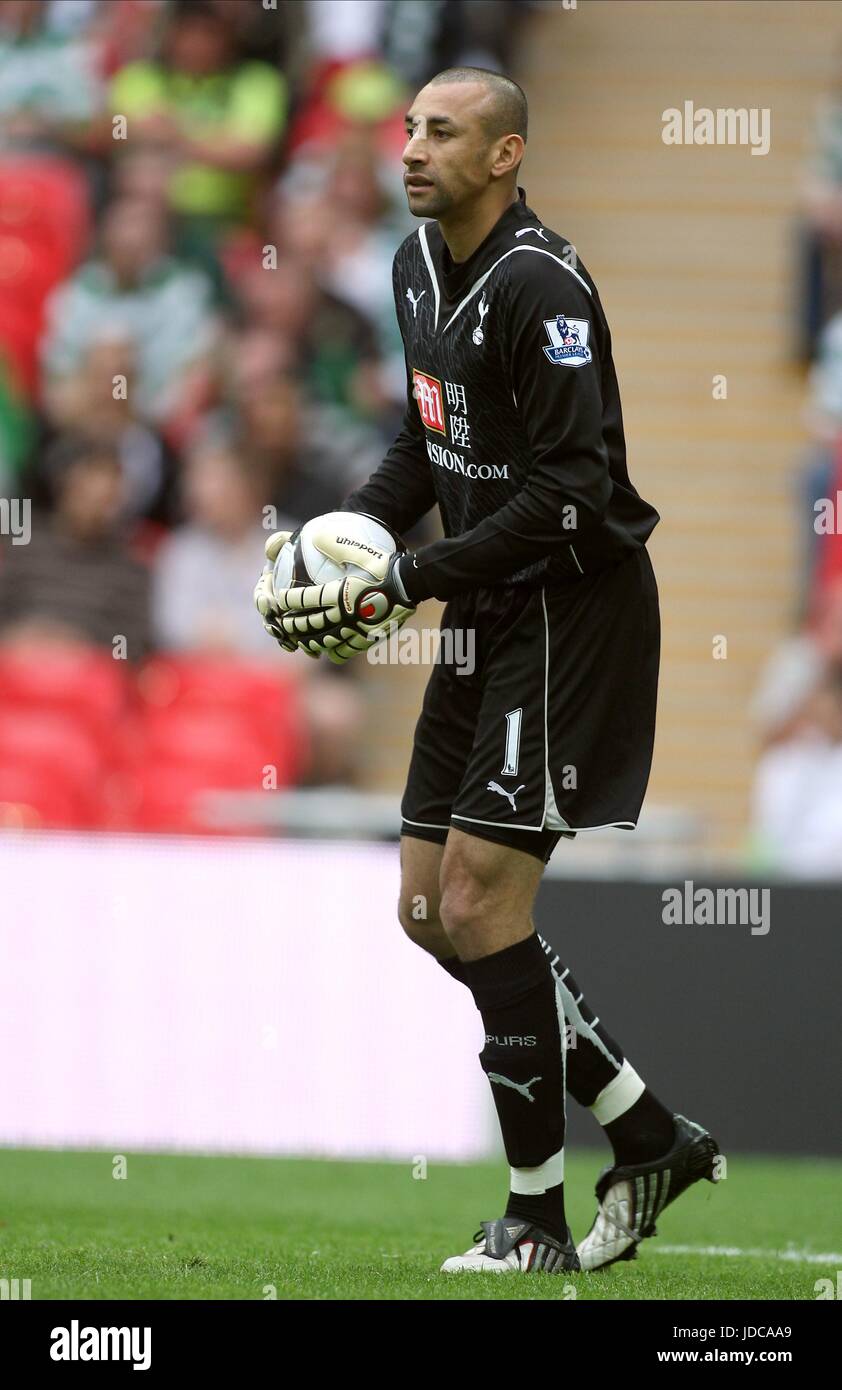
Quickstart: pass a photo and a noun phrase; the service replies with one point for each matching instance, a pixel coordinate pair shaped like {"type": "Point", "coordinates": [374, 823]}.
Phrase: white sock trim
{"type": "Point", "coordinates": [618, 1096]}
{"type": "Point", "coordinates": [531, 1182]}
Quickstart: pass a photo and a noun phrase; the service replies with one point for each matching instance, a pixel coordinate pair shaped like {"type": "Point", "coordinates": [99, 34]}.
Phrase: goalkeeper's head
{"type": "Point", "coordinates": [466, 136]}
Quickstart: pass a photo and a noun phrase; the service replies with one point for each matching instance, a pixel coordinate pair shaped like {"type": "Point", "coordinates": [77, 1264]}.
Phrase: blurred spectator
{"type": "Point", "coordinates": [17, 431]}
{"type": "Point", "coordinates": [49, 87]}
{"type": "Point", "coordinates": [75, 581]}
{"type": "Point", "coordinates": [419, 39]}
{"type": "Point", "coordinates": [215, 116]}
{"type": "Point", "coordinates": [89, 404]}
{"type": "Point", "coordinates": [797, 668]}
{"type": "Point", "coordinates": [344, 32]}
{"type": "Point", "coordinates": [823, 210]}
{"type": "Point", "coordinates": [344, 96]}
{"type": "Point", "coordinates": [825, 406]}
{"type": "Point", "coordinates": [335, 347]}
{"type": "Point", "coordinates": [797, 799]}
{"type": "Point", "coordinates": [309, 457]}
{"type": "Point", "coordinates": [173, 377]}
{"type": "Point", "coordinates": [44, 229]}
{"type": "Point", "coordinates": [136, 293]}
{"type": "Point", "coordinates": [816, 478]}
{"type": "Point", "coordinates": [205, 570]}
{"type": "Point", "coordinates": [204, 578]}
{"type": "Point", "coordinates": [348, 186]}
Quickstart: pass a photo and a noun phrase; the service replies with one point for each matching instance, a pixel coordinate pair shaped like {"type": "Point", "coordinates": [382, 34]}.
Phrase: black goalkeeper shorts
{"type": "Point", "coordinates": [552, 732]}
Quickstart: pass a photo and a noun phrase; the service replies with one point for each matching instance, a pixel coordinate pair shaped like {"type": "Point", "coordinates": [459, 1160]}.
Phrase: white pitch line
{"type": "Point", "coordinates": [805, 1257]}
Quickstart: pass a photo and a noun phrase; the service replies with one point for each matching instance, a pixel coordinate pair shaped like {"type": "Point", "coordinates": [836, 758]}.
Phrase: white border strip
{"type": "Point", "coordinates": [735, 1252]}
{"type": "Point", "coordinates": [422, 237]}
{"type": "Point", "coordinates": [478, 284]}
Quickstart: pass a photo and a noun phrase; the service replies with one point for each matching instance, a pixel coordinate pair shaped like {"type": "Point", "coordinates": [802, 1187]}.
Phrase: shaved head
{"type": "Point", "coordinates": [505, 112]}
{"type": "Point", "coordinates": [465, 139]}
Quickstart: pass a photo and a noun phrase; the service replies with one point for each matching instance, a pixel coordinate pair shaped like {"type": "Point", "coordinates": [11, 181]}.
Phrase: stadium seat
{"type": "Point", "coordinates": [51, 758]}
{"type": "Point", "coordinates": [82, 684]}
{"type": "Point", "coordinates": [210, 724]}
{"type": "Point", "coordinates": [38, 798]}
{"type": "Point", "coordinates": [168, 799]}
{"type": "Point", "coordinates": [258, 699]}
{"type": "Point", "coordinates": [80, 681]}
{"type": "Point", "coordinates": [44, 227]}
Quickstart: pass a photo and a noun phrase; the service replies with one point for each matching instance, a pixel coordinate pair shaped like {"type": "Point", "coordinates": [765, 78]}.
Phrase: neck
{"type": "Point", "coordinates": [467, 229]}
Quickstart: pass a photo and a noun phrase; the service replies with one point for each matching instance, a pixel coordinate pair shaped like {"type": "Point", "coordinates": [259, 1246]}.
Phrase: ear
{"type": "Point", "coordinates": [510, 152]}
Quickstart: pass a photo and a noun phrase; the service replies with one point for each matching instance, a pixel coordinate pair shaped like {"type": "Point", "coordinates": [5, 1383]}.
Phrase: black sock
{"type": "Point", "coordinates": [593, 1059]}
{"type": "Point", "coordinates": [645, 1131]}
{"type": "Point", "coordinates": [593, 1056]}
{"type": "Point", "coordinates": [544, 1209]}
{"type": "Point", "coordinates": [515, 993]}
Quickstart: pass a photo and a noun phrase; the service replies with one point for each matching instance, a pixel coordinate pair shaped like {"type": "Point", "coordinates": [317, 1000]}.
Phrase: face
{"type": "Point", "coordinates": [303, 227]}
{"type": "Point", "coordinates": [283, 301]}
{"type": "Point", "coordinates": [92, 496]}
{"type": "Point", "coordinates": [198, 45]}
{"type": "Point", "coordinates": [355, 193]}
{"type": "Point", "coordinates": [217, 493]}
{"type": "Point", "coordinates": [273, 420]}
{"type": "Point", "coordinates": [133, 236]}
{"type": "Point", "coordinates": [448, 158]}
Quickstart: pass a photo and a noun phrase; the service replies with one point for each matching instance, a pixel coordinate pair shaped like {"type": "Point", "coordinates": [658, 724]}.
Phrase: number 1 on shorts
{"type": "Point", "coordinates": [513, 722]}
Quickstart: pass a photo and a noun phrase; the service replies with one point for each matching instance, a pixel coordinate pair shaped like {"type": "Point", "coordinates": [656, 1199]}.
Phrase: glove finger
{"type": "Point", "coordinates": [303, 625]}
{"type": "Point", "coordinates": [274, 544]}
{"type": "Point", "coordinates": [264, 599]}
{"type": "Point", "coordinates": [311, 596]}
{"type": "Point", "coordinates": [280, 636]}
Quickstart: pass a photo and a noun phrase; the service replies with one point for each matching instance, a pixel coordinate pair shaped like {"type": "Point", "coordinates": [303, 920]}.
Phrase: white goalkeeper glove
{"type": "Point", "coordinates": [345, 616]}
{"type": "Point", "coordinates": [264, 595]}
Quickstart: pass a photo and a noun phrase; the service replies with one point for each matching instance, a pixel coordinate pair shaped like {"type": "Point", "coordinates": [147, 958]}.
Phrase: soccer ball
{"type": "Point", "coordinates": [300, 562]}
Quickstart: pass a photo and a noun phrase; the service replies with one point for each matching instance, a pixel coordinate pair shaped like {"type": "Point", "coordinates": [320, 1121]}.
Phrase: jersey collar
{"type": "Point", "coordinates": [455, 279]}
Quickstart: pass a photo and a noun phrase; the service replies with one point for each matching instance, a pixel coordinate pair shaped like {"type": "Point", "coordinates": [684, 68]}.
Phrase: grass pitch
{"type": "Point", "coordinates": [183, 1227]}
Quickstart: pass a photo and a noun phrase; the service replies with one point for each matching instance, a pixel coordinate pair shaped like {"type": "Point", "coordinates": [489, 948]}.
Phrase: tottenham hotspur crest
{"type": "Point", "coordinates": [478, 334]}
{"type": "Point", "coordinates": [568, 341]}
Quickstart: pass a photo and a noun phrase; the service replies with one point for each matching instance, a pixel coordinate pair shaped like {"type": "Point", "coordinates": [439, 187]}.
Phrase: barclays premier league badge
{"type": "Point", "coordinates": [568, 341]}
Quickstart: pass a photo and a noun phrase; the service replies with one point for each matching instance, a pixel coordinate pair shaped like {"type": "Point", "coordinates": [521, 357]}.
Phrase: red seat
{"type": "Point", "coordinates": [77, 749]}
{"type": "Point", "coordinates": [32, 796]}
{"type": "Point", "coordinates": [73, 680]}
{"type": "Point", "coordinates": [44, 227]}
{"type": "Point", "coordinates": [41, 750]}
{"type": "Point", "coordinates": [217, 741]}
{"type": "Point", "coordinates": [169, 799]}
{"type": "Point", "coordinates": [50, 739]}
{"type": "Point", "coordinates": [211, 724]}
{"type": "Point", "coordinates": [86, 687]}
{"type": "Point", "coordinates": [261, 701]}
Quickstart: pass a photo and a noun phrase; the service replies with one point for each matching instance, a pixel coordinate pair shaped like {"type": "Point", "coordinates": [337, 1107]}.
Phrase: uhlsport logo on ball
{"type": "Point", "coordinates": [363, 539]}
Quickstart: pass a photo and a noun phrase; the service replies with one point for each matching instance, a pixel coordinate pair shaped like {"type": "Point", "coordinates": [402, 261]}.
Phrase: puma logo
{"type": "Point", "coordinates": [410, 294]}
{"type": "Point", "coordinates": [522, 1087]}
{"type": "Point", "coordinates": [510, 796]}
{"type": "Point", "coordinates": [539, 231]}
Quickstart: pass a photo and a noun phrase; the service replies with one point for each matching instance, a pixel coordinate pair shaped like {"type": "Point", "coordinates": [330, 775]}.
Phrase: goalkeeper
{"type": "Point", "coordinates": [513, 428]}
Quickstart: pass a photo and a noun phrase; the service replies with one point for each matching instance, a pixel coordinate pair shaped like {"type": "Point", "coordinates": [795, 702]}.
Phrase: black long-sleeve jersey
{"type": "Point", "coordinates": [513, 422]}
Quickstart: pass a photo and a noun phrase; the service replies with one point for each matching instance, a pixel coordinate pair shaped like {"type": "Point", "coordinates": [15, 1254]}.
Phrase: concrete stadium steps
{"type": "Point", "coordinates": [694, 250]}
